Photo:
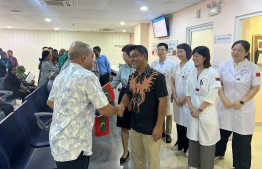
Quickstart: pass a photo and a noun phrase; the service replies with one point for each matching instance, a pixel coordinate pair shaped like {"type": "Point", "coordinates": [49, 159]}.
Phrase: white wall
{"type": "Point", "coordinates": [27, 45]}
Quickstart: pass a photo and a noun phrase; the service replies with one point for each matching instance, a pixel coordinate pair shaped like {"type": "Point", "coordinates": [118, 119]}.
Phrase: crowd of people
{"type": "Point", "coordinates": [206, 105]}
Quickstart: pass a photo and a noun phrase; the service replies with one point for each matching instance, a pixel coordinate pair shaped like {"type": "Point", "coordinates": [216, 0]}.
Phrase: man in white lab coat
{"type": "Point", "coordinates": [166, 67]}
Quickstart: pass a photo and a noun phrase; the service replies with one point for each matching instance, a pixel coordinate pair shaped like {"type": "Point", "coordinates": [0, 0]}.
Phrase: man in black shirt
{"type": "Point", "coordinates": [148, 93]}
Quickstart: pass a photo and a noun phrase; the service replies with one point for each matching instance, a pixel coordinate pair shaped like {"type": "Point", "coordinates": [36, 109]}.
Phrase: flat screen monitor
{"type": "Point", "coordinates": [160, 28]}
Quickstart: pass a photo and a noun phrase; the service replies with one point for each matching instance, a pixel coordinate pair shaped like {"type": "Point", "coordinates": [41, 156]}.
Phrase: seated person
{"type": "Point", "coordinates": [20, 73]}
{"type": "Point", "coordinates": [12, 83]}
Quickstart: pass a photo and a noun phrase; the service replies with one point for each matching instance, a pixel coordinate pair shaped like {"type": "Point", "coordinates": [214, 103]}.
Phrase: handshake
{"type": "Point", "coordinates": [119, 109]}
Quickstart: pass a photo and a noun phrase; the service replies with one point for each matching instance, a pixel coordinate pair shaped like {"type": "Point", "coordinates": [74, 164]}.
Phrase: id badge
{"type": "Point", "coordinates": [240, 80]}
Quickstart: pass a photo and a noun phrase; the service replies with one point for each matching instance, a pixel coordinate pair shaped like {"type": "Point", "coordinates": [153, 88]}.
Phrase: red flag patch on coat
{"type": "Point", "coordinates": [258, 74]}
{"type": "Point", "coordinates": [217, 79]}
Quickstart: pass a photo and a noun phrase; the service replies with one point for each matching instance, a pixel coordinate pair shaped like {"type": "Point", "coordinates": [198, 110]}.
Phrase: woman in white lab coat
{"type": "Point", "coordinates": [236, 110]}
{"type": "Point", "coordinates": [166, 66]}
{"type": "Point", "coordinates": [202, 88]}
{"type": "Point", "coordinates": [180, 106]}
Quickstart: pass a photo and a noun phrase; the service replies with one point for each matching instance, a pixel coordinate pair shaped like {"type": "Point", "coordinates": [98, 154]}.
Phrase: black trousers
{"type": "Point", "coordinates": [81, 162]}
{"type": "Point", "coordinates": [19, 94]}
{"type": "Point", "coordinates": [241, 147]}
{"type": "Point", "coordinates": [104, 79]}
{"type": "Point", "coordinates": [182, 140]}
{"type": "Point", "coordinates": [7, 108]}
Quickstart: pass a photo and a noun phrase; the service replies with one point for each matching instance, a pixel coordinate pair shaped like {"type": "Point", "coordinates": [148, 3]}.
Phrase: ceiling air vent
{"type": "Point", "coordinates": [55, 2]}
{"type": "Point", "coordinates": [106, 30]}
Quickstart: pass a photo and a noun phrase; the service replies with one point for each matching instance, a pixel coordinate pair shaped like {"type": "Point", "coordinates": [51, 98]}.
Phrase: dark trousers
{"type": "Point", "coordinates": [19, 94]}
{"type": "Point", "coordinates": [81, 162]}
{"type": "Point", "coordinates": [182, 140]}
{"type": "Point", "coordinates": [7, 108]}
{"type": "Point", "coordinates": [241, 147]}
{"type": "Point", "coordinates": [104, 79]}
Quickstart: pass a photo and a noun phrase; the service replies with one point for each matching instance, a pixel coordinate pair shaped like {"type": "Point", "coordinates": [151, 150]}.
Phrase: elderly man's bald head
{"type": "Point", "coordinates": [78, 49]}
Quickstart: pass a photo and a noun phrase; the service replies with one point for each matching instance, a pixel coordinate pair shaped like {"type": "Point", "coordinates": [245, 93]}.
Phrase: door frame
{"type": "Point", "coordinates": [197, 28]}
{"type": "Point", "coordinates": [238, 25]}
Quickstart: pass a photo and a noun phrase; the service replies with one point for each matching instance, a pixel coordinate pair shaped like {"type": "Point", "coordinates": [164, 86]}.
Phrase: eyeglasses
{"type": "Point", "coordinates": [161, 50]}
{"type": "Point", "coordinates": [237, 51]}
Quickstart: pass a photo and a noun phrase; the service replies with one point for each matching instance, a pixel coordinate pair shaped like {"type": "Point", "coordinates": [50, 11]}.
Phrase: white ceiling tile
{"type": "Point", "coordinates": [88, 13]}
{"type": "Point", "coordinates": [102, 26]}
{"type": "Point", "coordinates": [87, 25]}
{"type": "Point", "coordinates": [151, 16]}
{"type": "Point", "coordinates": [128, 6]}
{"type": "Point", "coordinates": [86, 20]}
{"type": "Point", "coordinates": [170, 8]}
{"type": "Point", "coordinates": [40, 10]}
{"type": "Point", "coordinates": [108, 15]}
{"type": "Point", "coordinates": [128, 15]}
{"type": "Point", "coordinates": [93, 4]}
{"type": "Point", "coordinates": [28, 2]}
{"type": "Point", "coordinates": [68, 20]}
{"type": "Point", "coordinates": [8, 2]}
{"type": "Point", "coordinates": [187, 1]}
{"type": "Point", "coordinates": [65, 12]}
{"type": "Point", "coordinates": [7, 8]}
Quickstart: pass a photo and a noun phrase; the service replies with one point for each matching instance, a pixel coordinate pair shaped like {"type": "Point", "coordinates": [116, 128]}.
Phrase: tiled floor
{"type": "Point", "coordinates": [107, 151]}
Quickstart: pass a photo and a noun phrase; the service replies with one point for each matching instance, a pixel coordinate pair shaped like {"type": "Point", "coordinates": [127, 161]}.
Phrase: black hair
{"type": "Point", "coordinates": [245, 44]}
{"type": "Point", "coordinates": [50, 48]}
{"type": "Point", "coordinates": [187, 49]}
{"type": "Point", "coordinates": [55, 50]}
{"type": "Point", "coordinates": [141, 49]}
{"type": "Point", "coordinates": [125, 48]}
{"type": "Point", "coordinates": [10, 70]}
{"type": "Point", "coordinates": [45, 53]}
{"type": "Point", "coordinates": [163, 44]}
{"type": "Point", "coordinates": [204, 51]}
{"type": "Point", "coordinates": [44, 47]}
{"type": "Point", "coordinates": [97, 48]}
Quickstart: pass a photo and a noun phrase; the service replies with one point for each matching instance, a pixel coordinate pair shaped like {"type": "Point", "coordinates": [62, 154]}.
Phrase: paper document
{"type": "Point", "coordinates": [30, 77]}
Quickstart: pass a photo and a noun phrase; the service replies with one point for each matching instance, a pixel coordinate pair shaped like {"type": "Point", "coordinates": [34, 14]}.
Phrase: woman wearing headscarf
{"type": "Point", "coordinates": [12, 83]}
{"type": "Point", "coordinates": [46, 68]}
{"type": "Point", "coordinates": [12, 59]}
{"type": "Point", "coordinates": [4, 60]}
{"type": "Point", "coordinates": [22, 76]}
{"type": "Point", "coordinates": [62, 52]}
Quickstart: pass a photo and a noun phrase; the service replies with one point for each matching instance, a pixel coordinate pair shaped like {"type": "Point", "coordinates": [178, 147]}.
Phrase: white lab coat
{"type": "Point", "coordinates": [181, 113]}
{"type": "Point", "coordinates": [236, 86]}
{"type": "Point", "coordinates": [166, 70]}
{"type": "Point", "coordinates": [204, 129]}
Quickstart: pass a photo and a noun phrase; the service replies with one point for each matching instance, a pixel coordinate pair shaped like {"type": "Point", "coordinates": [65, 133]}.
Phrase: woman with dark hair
{"type": "Point", "coordinates": [180, 107]}
{"type": "Point", "coordinates": [12, 59]}
{"type": "Point", "coordinates": [241, 81]}
{"type": "Point", "coordinates": [46, 69]}
{"type": "Point", "coordinates": [4, 60]}
{"type": "Point", "coordinates": [55, 57]}
{"type": "Point", "coordinates": [202, 88]}
{"type": "Point", "coordinates": [12, 83]}
{"type": "Point", "coordinates": [125, 121]}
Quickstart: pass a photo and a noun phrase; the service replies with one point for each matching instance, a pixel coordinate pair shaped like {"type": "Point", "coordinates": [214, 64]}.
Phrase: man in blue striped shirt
{"type": "Point", "coordinates": [104, 66]}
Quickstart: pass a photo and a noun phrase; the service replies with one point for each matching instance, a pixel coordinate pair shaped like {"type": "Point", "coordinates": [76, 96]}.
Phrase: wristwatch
{"type": "Point", "coordinates": [200, 110]}
{"type": "Point", "coordinates": [242, 102]}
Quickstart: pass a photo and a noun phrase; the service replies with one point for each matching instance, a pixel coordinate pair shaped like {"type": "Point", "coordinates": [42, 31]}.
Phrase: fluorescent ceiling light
{"type": "Point", "coordinates": [48, 20]}
{"type": "Point", "coordinates": [122, 23]}
{"type": "Point", "coordinates": [123, 30]}
{"type": "Point", "coordinates": [9, 27]}
{"type": "Point", "coordinates": [56, 29]}
{"type": "Point", "coordinates": [144, 8]}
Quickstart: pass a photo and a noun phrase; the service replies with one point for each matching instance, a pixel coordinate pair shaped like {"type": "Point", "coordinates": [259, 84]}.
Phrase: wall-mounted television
{"type": "Point", "coordinates": [160, 27]}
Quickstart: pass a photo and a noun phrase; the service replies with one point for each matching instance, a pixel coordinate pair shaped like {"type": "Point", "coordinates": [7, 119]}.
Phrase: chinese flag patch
{"type": "Point", "coordinates": [217, 79]}
{"type": "Point", "coordinates": [238, 78]}
{"type": "Point", "coordinates": [183, 76]}
{"type": "Point", "coordinates": [258, 74]}
{"type": "Point", "coordinates": [197, 89]}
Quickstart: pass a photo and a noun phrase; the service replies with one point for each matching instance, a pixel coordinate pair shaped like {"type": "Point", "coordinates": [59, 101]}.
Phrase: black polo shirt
{"type": "Point", "coordinates": [145, 89]}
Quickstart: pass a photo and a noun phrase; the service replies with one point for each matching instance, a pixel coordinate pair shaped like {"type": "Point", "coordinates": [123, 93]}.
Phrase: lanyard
{"type": "Point", "coordinates": [6, 64]}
